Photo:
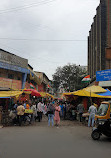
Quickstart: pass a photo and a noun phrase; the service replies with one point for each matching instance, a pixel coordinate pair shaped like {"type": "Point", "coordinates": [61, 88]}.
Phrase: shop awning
{"type": "Point", "coordinates": [84, 93]}
{"type": "Point", "coordinates": [33, 92]}
{"type": "Point", "coordinates": [8, 94]}
{"type": "Point", "coordinates": [44, 94]}
{"type": "Point", "coordinates": [95, 89]}
{"type": "Point", "coordinates": [107, 93]}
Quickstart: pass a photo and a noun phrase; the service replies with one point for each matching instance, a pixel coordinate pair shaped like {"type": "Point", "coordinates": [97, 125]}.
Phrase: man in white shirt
{"type": "Point", "coordinates": [39, 111]}
{"type": "Point", "coordinates": [92, 111]}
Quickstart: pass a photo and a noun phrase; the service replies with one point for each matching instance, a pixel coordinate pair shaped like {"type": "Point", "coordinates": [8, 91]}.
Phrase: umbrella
{"type": "Point", "coordinates": [34, 92]}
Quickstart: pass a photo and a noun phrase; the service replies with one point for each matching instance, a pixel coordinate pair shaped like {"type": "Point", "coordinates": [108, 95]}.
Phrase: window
{"type": "Point", "coordinates": [11, 76]}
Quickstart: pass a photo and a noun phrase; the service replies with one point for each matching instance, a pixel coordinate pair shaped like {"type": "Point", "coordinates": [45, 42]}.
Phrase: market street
{"type": "Point", "coordinates": [39, 140]}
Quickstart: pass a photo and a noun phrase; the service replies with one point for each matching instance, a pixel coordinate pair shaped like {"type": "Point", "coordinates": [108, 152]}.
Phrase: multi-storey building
{"type": "Point", "coordinates": [99, 39]}
{"type": "Point", "coordinates": [13, 70]}
{"type": "Point", "coordinates": [43, 87]}
{"type": "Point", "coordinates": [16, 73]}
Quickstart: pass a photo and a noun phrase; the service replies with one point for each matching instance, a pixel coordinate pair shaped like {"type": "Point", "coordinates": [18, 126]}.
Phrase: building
{"type": "Point", "coordinates": [44, 86]}
{"type": "Point", "coordinates": [99, 40]}
{"type": "Point", "coordinates": [13, 70]}
{"type": "Point", "coordinates": [16, 73]}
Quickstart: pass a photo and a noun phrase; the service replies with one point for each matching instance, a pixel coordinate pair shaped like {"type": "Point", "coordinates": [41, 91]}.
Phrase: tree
{"type": "Point", "coordinates": [68, 77]}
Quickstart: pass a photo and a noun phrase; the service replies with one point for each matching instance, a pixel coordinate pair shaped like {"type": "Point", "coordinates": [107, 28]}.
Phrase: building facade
{"type": "Point", "coordinates": [43, 86]}
{"type": "Point", "coordinates": [13, 70]}
{"type": "Point", "coordinates": [16, 73]}
{"type": "Point", "coordinates": [99, 39]}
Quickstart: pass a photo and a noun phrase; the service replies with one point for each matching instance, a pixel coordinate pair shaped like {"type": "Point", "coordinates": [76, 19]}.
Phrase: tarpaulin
{"type": "Point", "coordinates": [95, 89]}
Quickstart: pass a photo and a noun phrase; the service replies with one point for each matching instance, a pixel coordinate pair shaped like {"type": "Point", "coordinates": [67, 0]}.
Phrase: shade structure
{"type": "Point", "coordinates": [107, 93]}
{"type": "Point", "coordinates": [95, 89]}
{"type": "Point", "coordinates": [84, 93]}
{"type": "Point", "coordinates": [33, 92]}
{"type": "Point", "coordinates": [8, 94]}
{"type": "Point", "coordinates": [44, 94]}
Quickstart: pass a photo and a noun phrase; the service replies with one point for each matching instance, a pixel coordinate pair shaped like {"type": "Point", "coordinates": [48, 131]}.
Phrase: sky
{"type": "Point", "coordinates": [49, 33]}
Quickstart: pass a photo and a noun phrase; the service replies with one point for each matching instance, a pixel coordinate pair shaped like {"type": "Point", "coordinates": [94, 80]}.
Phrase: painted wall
{"type": "Point", "coordinates": [10, 83]}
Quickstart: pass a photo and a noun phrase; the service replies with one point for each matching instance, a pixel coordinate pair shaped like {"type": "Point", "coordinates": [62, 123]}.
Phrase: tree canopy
{"type": "Point", "coordinates": [69, 77]}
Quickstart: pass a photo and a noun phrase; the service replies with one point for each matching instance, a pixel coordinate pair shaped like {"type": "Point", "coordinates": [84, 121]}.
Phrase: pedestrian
{"type": "Point", "coordinates": [13, 116]}
{"type": "Point", "coordinates": [51, 110]}
{"type": "Point", "coordinates": [62, 109]}
{"type": "Point", "coordinates": [39, 110]}
{"type": "Point", "coordinates": [80, 109]}
{"type": "Point", "coordinates": [65, 110]}
{"type": "Point", "coordinates": [92, 111]}
{"type": "Point", "coordinates": [20, 113]}
{"type": "Point", "coordinates": [33, 107]}
{"type": "Point", "coordinates": [57, 114]}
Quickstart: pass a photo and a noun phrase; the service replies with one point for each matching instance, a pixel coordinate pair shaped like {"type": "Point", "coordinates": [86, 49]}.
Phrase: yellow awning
{"type": "Point", "coordinates": [13, 93]}
{"type": "Point", "coordinates": [4, 94]}
{"type": "Point", "coordinates": [44, 94]}
{"type": "Point", "coordinates": [95, 89]}
{"type": "Point", "coordinates": [85, 93]}
{"type": "Point", "coordinates": [68, 93]}
{"type": "Point", "coordinates": [49, 95]}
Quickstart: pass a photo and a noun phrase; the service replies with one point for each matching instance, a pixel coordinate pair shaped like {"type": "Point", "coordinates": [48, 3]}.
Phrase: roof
{"type": "Point", "coordinates": [11, 53]}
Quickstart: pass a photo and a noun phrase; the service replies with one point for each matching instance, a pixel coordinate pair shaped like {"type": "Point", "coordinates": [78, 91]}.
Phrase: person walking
{"type": "Point", "coordinates": [51, 110]}
{"type": "Point", "coordinates": [33, 107]}
{"type": "Point", "coordinates": [39, 111]}
{"type": "Point", "coordinates": [80, 109]}
{"type": "Point", "coordinates": [20, 113]}
{"type": "Point", "coordinates": [92, 111]}
{"type": "Point", "coordinates": [61, 112]}
{"type": "Point", "coordinates": [57, 115]}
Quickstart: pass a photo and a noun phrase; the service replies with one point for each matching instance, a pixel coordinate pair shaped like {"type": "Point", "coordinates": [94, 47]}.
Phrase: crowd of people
{"type": "Point", "coordinates": [53, 109]}
{"type": "Point", "coordinates": [32, 111]}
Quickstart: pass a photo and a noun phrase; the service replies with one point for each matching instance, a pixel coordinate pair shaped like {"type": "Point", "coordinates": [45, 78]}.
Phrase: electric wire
{"type": "Point", "coordinates": [26, 6]}
{"type": "Point", "coordinates": [42, 40]}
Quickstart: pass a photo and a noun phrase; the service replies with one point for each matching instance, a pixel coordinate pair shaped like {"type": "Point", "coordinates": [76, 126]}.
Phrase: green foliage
{"type": "Point", "coordinates": [69, 77]}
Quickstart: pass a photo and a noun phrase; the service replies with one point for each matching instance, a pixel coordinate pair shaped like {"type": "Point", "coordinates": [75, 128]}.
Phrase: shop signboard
{"type": "Point", "coordinates": [104, 75]}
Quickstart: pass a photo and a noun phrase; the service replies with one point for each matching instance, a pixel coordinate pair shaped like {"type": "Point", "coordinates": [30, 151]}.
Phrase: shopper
{"type": "Point", "coordinates": [57, 114]}
{"type": "Point", "coordinates": [62, 109]}
{"type": "Point", "coordinates": [51, 110]}
{"type": "Point", "coordinates": [92, 111]}
{"type": "Point", "coordinates": [33, 107]}
{"type": "Point", "coordinates": [39, 111]}
{"type": "Point", "coordinates": [20, 113]}
{"type": "Point", "coordinates": [80, 109]}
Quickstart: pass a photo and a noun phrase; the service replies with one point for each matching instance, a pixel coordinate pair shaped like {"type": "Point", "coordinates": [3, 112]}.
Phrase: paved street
{"type": "Point", "coordinates": [70, 139]}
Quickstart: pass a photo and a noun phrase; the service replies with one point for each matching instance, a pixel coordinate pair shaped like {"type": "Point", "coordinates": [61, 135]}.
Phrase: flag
{"type": "Point", "coordinates": [86, 79]}
{"type": "Point", "coordinates": [48, 86]}
{"type": "Point", "coordinates": [32, 86]}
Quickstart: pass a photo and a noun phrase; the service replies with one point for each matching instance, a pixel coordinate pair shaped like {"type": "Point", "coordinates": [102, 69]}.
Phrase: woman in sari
{"type": "Point", "coordinates": [57, 115]}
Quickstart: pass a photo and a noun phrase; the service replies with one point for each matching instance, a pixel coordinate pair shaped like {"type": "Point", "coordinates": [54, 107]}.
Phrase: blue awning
{"type": "Point", "coordinates": [4, 97]}
{"type": "Point", "coordinates": [108, 93]}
